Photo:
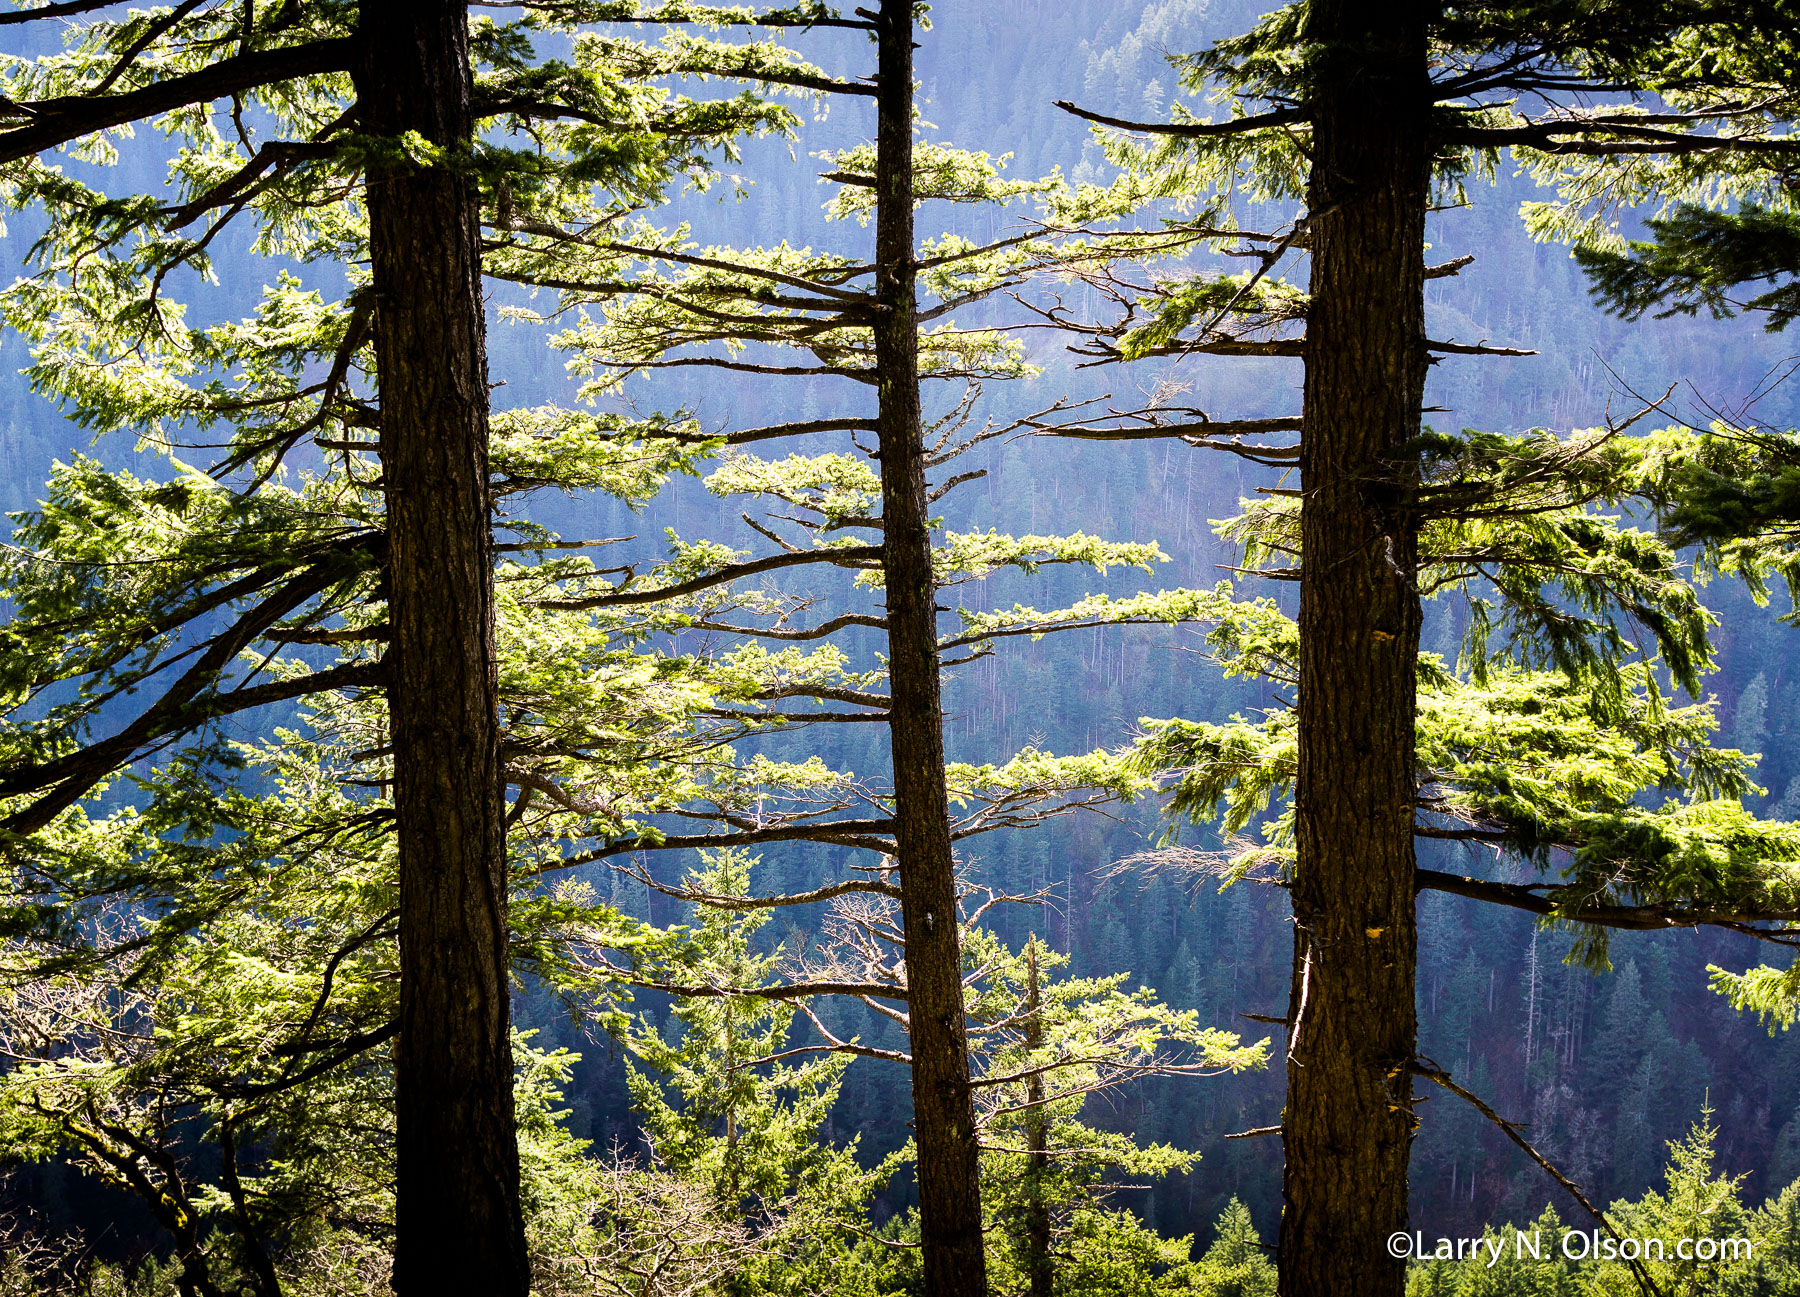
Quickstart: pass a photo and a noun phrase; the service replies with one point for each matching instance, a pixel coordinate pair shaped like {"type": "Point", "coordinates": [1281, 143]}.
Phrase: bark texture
{"type": "Point", "coordinates": [1347, 1127]}
{"type": "Point", "coordinates": [459, 1227]}
{"type": "Point", "coordinates": [943, 1108]}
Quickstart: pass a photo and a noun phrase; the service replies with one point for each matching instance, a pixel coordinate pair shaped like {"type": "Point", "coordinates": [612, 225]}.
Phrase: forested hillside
{"type": "Point", "coordinates": [989, 75]}
{"type": "Point", "coordinates": [1608, 1068]}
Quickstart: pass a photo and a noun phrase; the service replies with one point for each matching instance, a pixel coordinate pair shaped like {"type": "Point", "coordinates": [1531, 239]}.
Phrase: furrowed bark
{"type": "Point", "coordinates": [1347, 1127]}
{"type": "Point", "coordinates": [459, 1227]}
{"type": "Point", "coordinates": [943, 1110]}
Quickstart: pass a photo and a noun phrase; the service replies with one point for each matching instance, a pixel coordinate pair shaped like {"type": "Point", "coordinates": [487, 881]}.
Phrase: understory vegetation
{"type": "Point", "coordinates": [679, 650]}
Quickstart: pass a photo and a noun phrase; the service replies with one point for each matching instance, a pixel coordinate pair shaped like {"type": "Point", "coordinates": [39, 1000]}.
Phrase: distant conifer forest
{"type": "Point", "coordinates": [999, 648]}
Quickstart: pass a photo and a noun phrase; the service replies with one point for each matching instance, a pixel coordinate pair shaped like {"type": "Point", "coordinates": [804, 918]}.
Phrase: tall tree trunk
{"type": "Point", "coordinates": [943, 1107]}
{"type": "Point", "coordinates": [1039, 1267]}
{"type": "Point", "coordinates": [1347, 1127]}
{"type": "Point", "coordinates": [459, 1227]}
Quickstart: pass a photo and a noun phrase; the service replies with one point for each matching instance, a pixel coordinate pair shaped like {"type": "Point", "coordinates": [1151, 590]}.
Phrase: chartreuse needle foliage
{"type": "Point", "coordinates": [1553, 739]}
{"type": "Point", "coordinates": [198, 976]}
{"type": "Point", "coordinates": [260, 528]}
{"type": "Point", "coordinates": [1048, 1044]}
{"type": "Point", "coordinates": [728, 1107]}
{"type": "Point", "coordinates": [1732, 493]}
{"type": "Point", "coordinates": [1752, 1249]}
{"type": "Point", "coordinates": [199, 907]}
{"type": "Point", "coordinates": [247, 1011]}
{"type": "Point", "coordinates": [200, 954]}
{"type": "Point", "coordinates": [1722, 239]}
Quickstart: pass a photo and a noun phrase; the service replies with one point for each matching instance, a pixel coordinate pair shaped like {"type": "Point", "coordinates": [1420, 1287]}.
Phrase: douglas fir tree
{"type": "Point", "coordinates": [279, 115]}
{"type": "Point", "coordinates": [1366, 115]}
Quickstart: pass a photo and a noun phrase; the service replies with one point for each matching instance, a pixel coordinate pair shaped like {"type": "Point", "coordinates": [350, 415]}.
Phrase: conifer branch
{"type": "Point", "coordinates": [63, 10]}
{"type": "Point", "coordinates": [848, 833]}
{"type": "Point", "coordinates": [177, 712]}
{"type": "Point", "coordinates": [718, 901]}
{"type": "Point", "coordinates": [776, 20]}
{"type": "Point", "coordinates": [741, 268]}
{"type": "Point", "coordinates": [1426, 1069]}
{"type": "Point", "coordinates": [186, 703]}
{"type": "Point", "coordinates": [795, 718]}
{"type": "Point", "coordinates": [1194, 130]}
{"type": "Point", "coordinates": [58, 121]}
{"type": "Point", "coordinates": [1554, 138]}
{"type": "Point", "coordinates": [858, 697]}
{"type": "Point", "coordinates": [821, 631]}
{"type": "Point", "coordinates": [281, 155]}
{"type": "Point", "coordinates": [1255, 1133]}
{"type": "Point", "coordinates": [847, 556]}
{"type": "Point", "coordinates": [1542, 900]}
{"type": "Point", "coordinates": [347, 1049]}
{"type": "Point", "coordinates": [1479, 349]}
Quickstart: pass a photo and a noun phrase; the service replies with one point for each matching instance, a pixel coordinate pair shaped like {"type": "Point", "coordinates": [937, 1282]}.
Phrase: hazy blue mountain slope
{"type": "Point", "coordinates": [1605, 1068]}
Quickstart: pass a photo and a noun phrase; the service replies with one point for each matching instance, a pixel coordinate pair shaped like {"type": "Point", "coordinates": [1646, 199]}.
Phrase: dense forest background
{"type": "Point", "coordinates": [1606, 1068]}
